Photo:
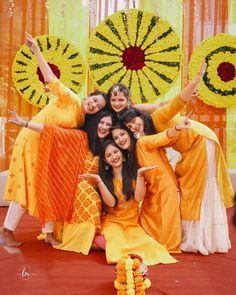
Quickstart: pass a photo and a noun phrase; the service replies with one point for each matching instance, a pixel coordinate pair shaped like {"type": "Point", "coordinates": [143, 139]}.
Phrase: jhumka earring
{"type": "Point", "coordinates": [128, 104]}
{"type": "Point", "coordinates": [106, 166]}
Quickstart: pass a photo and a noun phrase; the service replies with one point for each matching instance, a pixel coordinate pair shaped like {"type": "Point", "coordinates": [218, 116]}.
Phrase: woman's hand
{"type": "Point", "coordinates": [201, 73]}
{"type": "Point", "coordinates": [89, 176]}
{"type": "Point", "coordinates": [16, 119]}
{"type": "Point", "coordinates": [184, 124]}
{"type": "Point", "coordinates": [30, 42]}
{"type": "Point", "coordinates": [144, 169]}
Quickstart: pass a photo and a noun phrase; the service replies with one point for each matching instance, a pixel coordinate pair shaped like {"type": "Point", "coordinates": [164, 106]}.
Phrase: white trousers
{"type": "Point", "coordinates": [14, 214]}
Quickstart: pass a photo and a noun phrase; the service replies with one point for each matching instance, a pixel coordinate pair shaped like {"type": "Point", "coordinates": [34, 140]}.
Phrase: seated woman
{"type": "Point", "coordinates": [120, 225]}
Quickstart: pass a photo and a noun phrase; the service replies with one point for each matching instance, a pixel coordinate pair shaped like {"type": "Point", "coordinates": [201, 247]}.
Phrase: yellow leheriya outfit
{"type": "Point", "coordinates": [194, 145]}
{"type": "Point", "coordinates": [79, 232]}
{"type": "Point", "coordinates": [124, 235]}
{"type": "Point", "coordinates": [64, 111]}
{"type": "Point", "coordinates": [159, 214]}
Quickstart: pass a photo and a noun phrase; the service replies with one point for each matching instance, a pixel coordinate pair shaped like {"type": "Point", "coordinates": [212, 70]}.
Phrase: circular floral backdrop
{"type": "Point", "coordinates": [218, 87]}
{"type": "Point", "coordinates": [138, 49]}
{"type": "Point", "coordinates": [64, 60]}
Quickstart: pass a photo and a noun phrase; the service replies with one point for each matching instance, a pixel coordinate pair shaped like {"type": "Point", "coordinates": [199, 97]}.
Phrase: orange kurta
{"type": "Point", "coordinates": [191, 169]}
{"type": "Point", "coordinates": [79, 231]}
{"type": "Point", "coordinates": [160, 208]}
{"type": "Point", "coordinates": [64, 111]}
{"type": "Point", "coordinates": [124, 235]}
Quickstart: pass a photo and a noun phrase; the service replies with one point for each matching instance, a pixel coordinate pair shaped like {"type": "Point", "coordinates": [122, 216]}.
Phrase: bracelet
{"type": "Point", "coordinates": [26, 124]}
{"type": "Point", "coordinates": [177, 129]}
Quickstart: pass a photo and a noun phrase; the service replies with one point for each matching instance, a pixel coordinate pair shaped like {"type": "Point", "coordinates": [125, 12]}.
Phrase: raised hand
{"type": "Point", "coordinates": [89, 176]}
{"type": "Point", "coordinates": [16, 119]}
{"type": "Point", "coordinates": [201, 73]}
{"type": "Point", "coordinates": [144, 169]}
{"type": "Point", "coordinates": [30, 42]}
{"type": "Point", "coordinates": [184, 124]}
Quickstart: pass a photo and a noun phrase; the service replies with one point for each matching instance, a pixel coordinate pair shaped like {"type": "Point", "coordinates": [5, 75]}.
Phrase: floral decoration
{"type": "Point", "coordinates": [131, 276]}
{"type": "Point", "coordinates": [218, 87]}
{"type": "Point", "coordinates": [138, 49]}
{"type": "Point", "coordinates": [64, 60]}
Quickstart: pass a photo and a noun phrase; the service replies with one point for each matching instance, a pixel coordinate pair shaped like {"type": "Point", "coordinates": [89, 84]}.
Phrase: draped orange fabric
{"type": "Point", "coordinates": [203, 19]}
{"type": "Point", "coordinates": [61, 159]}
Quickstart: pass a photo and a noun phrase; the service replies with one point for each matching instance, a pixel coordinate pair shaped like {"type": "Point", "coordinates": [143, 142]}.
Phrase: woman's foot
{"type": "Point", "coordinates": [50, 239]}
{"type": "Point", "coordinates": [8, 238]}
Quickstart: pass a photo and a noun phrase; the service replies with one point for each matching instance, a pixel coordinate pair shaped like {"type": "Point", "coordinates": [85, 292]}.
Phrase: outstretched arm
{"type": "Point", "coordinates": [16, 119]}
{"type": "Point", "coordinates": [43, 65]}
{"type": "Point", "coordinates": [150, 107]}
{"type": "Point", "coordinates": [140, 187]}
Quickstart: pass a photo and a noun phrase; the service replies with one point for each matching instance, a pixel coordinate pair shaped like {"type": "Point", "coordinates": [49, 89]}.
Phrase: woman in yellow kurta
{"type": "Point", "coordinates": [120, 225]}
{"type": "Point", "coordinates": [66, 110]}
{"type": "Point", "coordinates": [205, 188]}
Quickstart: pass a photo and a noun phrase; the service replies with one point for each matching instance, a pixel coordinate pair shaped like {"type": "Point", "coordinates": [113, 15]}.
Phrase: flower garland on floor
{"type": "Point", "coordinates": [218, 87]}
{"type": "Point", "coordinates": [131, 276]}
{"type": "Point", "coordinates": [64, 60]}
{"type": "Point", "coordinates": [138, 49]}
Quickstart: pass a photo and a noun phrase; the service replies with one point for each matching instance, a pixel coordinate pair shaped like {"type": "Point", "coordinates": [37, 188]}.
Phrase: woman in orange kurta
{"type": "Point", "coordinates": [65, 110]}
{"type": "Point", "coordinates": [159, 214]}
{"type": "Point", "coordinates": [120, 225]}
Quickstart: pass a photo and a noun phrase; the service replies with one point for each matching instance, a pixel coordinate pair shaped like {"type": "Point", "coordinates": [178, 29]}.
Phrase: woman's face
{"type": "Point", "coordinates": [104, 127]}
{"type": "Point", "coordinates": [113, 156]}
{"type": "Point", "coordinates": [118, 102]}
{"type": "Point", "coordinates": [136, 125]}
{"type": "Point", "coordinates": [121, 138]}
{"type": "Point", "coordinates": [93, 104]}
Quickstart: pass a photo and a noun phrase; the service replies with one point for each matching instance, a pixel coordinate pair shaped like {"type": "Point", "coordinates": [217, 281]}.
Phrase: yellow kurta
{"type": "Point", "coordinates": [78, 234]}
{"type": "Point", "coordinates": [124, 235]}
{"type": "Point", "coordinates": [160, 208]}
{"type": "Point", "coordinates": [192, 168]}
{"type": "Point", "coordinates": [64, 111]}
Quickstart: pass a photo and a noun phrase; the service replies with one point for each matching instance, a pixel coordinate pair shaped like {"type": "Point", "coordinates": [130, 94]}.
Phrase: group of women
{"type": "Point", "coordinates": [95, 172]}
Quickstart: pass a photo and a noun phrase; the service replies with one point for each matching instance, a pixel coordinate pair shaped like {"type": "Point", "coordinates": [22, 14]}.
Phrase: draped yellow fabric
{"type": "Point", "coordinates": [70, 21]}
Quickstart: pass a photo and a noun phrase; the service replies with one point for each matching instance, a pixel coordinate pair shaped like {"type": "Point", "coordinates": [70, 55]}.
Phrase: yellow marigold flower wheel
{"type": "Point", "coordinates": [218, 87]}
{"type": "Point", "coordinates": [138, 49]}
{"type": "Point", "coordinates": [64, 60]}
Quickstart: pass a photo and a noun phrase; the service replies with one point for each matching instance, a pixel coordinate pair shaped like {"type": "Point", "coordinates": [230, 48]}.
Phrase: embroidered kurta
{"type": "Point", "coordinates": [191, 170]}
{"type": "Point", "coordinates": [64, 111]}
{"type": "Point", "coordinates": [124, 235]}
{"type": "Point", "coordinates": [160, 208]}
{"type": "Point", "coordinates": [85, 222]}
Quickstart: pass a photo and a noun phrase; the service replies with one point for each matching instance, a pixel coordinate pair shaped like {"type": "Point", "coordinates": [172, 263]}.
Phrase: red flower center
{"type": "Point", "coordinates": [226, 71]}
{"type": "Point", "coordinates": [133, 58]}
{"type": "Point", "coordinates": [55, 70]}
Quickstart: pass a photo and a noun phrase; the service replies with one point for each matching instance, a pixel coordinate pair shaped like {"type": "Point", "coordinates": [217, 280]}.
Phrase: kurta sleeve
{"type": "Point", "coordinates": [155, 141]}
{"type": "Point", "coordinates": [64, 94]}
{"type": "Point", "coordinates": [167, 112]}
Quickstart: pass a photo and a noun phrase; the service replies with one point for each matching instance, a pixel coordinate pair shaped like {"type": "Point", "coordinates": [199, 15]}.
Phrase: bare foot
{"type": "Point", "coordinates": [50, 239]}
{"type": "Point", "coordinates": [8, 238]}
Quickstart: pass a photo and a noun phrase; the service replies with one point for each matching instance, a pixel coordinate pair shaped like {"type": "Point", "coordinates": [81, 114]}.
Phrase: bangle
{"type": "Point", "coordinates": [177, 129]}
{"type": "Point", "coordinates": [26, 124]}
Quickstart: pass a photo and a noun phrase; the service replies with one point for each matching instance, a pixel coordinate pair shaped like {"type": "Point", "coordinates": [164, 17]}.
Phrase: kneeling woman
{"type": "Point", "coordinates": [120, 225]}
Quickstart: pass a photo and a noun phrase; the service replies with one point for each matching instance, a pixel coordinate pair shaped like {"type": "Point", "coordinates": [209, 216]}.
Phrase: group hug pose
{"type": "Point", "coordinates": [95, 173]}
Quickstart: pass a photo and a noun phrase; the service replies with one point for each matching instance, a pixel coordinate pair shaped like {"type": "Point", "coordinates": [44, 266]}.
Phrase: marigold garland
{"type": "Point", "coordinates": [218, 87]}
{"type": "Point", "coordinates": [138, 49]}
{"type": "Point", "coordinates": [131, 276]}
{"type": "Point", "coordinates": [63, 58]}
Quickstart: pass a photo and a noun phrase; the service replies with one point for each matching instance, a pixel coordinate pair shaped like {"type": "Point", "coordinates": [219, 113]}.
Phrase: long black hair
{"type": "Point", "coordinates": [105, 96]}
{"type": "Point", "coordinates": [132, 113]}
{"type": "Point", "coordinates": [130, 155]}
{"type": "Point", "coordinates": [91, 127]}
{"type": "Point", "coordinates": [107, 174]}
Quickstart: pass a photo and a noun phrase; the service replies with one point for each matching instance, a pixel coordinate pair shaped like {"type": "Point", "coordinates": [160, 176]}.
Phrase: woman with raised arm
{"type": "Point", "coordinates": [205, 187]}
{"type": "Point", "coordinates": [121, 194]}
{"type": "Point", "coordinates": [67, 111]}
